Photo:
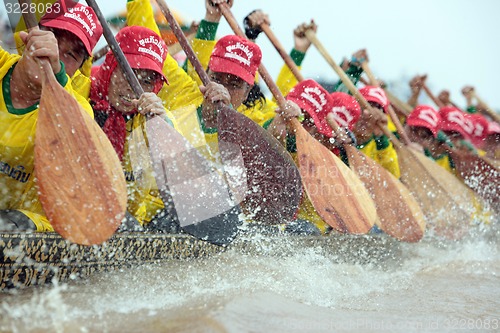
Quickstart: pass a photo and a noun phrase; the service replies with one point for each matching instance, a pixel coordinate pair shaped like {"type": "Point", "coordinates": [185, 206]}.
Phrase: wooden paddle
{"type": "Point", "coordinates": [202, 200]}
{"type": "Point", "coordinates": [418, 174]}
{"type": "Point", "coordinates": [272, 179]}
{"type": "Point", "coordinates": [479, 174]}
{"type": "Point", "coordinates": [448, 182]}
{"type": "Point", "coordinates": [337, 195]}
{"type": "Point", "coordinates": [399, 213]}
{"type": "Point", "coordinates": [487, 109]}
{"type": "Point", "coordinates": [82, 194]}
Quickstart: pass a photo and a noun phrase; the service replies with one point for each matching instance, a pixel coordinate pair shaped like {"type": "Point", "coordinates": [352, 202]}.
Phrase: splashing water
{"type": "Point", "coordinates": [282, 284]}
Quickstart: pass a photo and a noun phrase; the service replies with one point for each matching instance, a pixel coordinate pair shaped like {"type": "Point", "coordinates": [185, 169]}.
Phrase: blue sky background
{"type": "Point", "coordinates": [455, 42]}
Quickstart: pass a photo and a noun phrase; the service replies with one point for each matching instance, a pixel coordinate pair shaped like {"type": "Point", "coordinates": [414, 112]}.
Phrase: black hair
{"type": "Point", "coordinates": [255, 96]}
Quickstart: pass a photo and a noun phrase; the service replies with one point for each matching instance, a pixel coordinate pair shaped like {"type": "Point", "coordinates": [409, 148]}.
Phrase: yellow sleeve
{"type": "Point", "coordinates": [181, 90]}
{"type": "Point", "coordinates": [385, 156]}
{"type": "Point", "coordinates": [444, 161]}
{"type": "Point", "coordinates": [369, 149]}
{"type": "Point", "coordinates": [81, 79]}
{"type": "Point", "coordinates": [6, 61]}
{"type": "Point", "coordinates": [203, 50]}
{"type": "Point", "coordinates": [81, 84]}
{"type": "Point", "coordinates": [286, 80]}
{"type": "Point", "coordinates": [41, 222]}
{"type": "Point", "coordinates": [388, 158]}
{"type": "Point", "coordinates": [390, 125]}
{"type": "Point", "coordinates": [83, 101]}
{"type": "Point", "coordinates": [261, 114]}
{"type": "Point", "coordinates": [140, 13]}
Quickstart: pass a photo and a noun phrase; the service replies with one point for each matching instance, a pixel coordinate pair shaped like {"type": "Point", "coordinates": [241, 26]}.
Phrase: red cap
{"type": "Point", "coordinates": [425, 116]}
{"type": "Point", "coordinates": [455, 120]}
{"type": "Point", "coordinates": [143, 48]}
{"type": "Point", "coordinates": [480, 131]}
{"type": "Point", "coordinates": [236, 55]}
{"type": "Point", "coordinates": [376, 95]}
{"type": "Point", "coordinates": [315, 100]}
{"type": "Point", "coordinates": [493, 128]}
{"type": "Point", "coordinates": [345, 109]}
{"type": "Point", "coordinates": [76, 18]}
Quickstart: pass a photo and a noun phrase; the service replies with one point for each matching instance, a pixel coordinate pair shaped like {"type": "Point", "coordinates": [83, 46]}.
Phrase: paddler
{"type": "Point", "coordinates": [66, 40]}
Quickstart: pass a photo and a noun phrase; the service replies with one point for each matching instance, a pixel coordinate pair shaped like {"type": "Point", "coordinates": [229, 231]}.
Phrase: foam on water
{"type": "Point", "coordinates": [280, 285]}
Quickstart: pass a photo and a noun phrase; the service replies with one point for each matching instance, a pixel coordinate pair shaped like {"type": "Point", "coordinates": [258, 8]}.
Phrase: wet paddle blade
{"type": "Point", "coordinates": [200, 195]}
{"type": "Point", "coordinates": [443, 198]}
{"type": "Point", "coordinates": [480, 175]}
{"type": "Point", "coordinates": [81, 183]}
{"type": "Point", "coordinates": [262, 165]}
{"type": "Point", "coordinates": [336, 193]}
{"type": "Point", "coordinates": [399, 213]}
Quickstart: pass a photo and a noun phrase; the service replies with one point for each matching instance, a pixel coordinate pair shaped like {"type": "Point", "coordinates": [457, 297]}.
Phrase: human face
{"type": "Point", "coordinates": [310, 126]}
{"type": "Point", "coordinates": [421, 135]}
{"type": "Point", "coordinates": [238, 88]}
{"type": "Point", "coordinates": [456, 138]}
{"type": "Point", "coordinates": [120, 93]}
{"type": "Point", "coordinates": [72, 52]}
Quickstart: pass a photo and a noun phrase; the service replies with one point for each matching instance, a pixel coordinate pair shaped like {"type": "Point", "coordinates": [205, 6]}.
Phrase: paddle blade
{"type": "Point", "coordinates": [480, 175]}
{"type": "Point", "coordinates": [199, 193]}
{"type": "Point", "coordinates": [336, 193]}
{"type": "Point", "coordinates": [399, 213]}
{"type": "Point", "coordinates": [272, 178]}
{"type": "Point", "coordinates": [443, 198]}
{"type": "Point", "coordinates": [80, 178]}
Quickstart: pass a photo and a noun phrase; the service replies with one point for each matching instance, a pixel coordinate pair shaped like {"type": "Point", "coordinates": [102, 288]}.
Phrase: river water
{"type": "Point", "coordinates": [283, 285]}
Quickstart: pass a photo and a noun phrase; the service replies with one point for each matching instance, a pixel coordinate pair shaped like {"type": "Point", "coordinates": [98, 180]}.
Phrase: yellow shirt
{"type": "Point", "coordinates": [17, 136]}
{"type": "Point", "coordinates": [384, 154]}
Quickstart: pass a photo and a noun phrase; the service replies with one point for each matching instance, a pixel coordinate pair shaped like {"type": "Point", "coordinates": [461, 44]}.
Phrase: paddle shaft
{"type": "Point", "coordinates": [183, 41]}
{"type": "Point", "coordinates": [273, 88]}
{"type": "Point", "coordinates": [289, 61]}
{"type": "Point", "coordinates": [73, 139]}
{"type": "Point", "coordinates": [311, 35]}
{"type": "Point", "coordinates": [262, 70]}
{"type": "Point", "coordinates": [429, 93]}
{"type": "Point", "coordinates": [390, 110]}
{"type": "Point", "coordinates": [100, 53]}
{"type": "Point", "coordinates": [373, 80]}
{"type": "Point", "coordinates": [487, 109]}
{"type": "Point", "coordinates": [355, 219]}
{"type": "Point", "coordinates": [31, 23]}
{"type": "Point", "coordinates": [281, 50]}
{"type": "Point", "coordinates": [172, 49]}
{"type": "Point", "coordinates": [117, 51]}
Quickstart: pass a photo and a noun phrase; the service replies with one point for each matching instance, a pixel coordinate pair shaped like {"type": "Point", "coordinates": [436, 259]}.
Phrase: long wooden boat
{"type": "Point", "coordinates": [29, 259]}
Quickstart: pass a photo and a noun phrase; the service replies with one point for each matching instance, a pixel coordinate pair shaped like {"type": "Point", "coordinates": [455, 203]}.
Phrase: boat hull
{"type": "Point", "coordinates": [28, 259]}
